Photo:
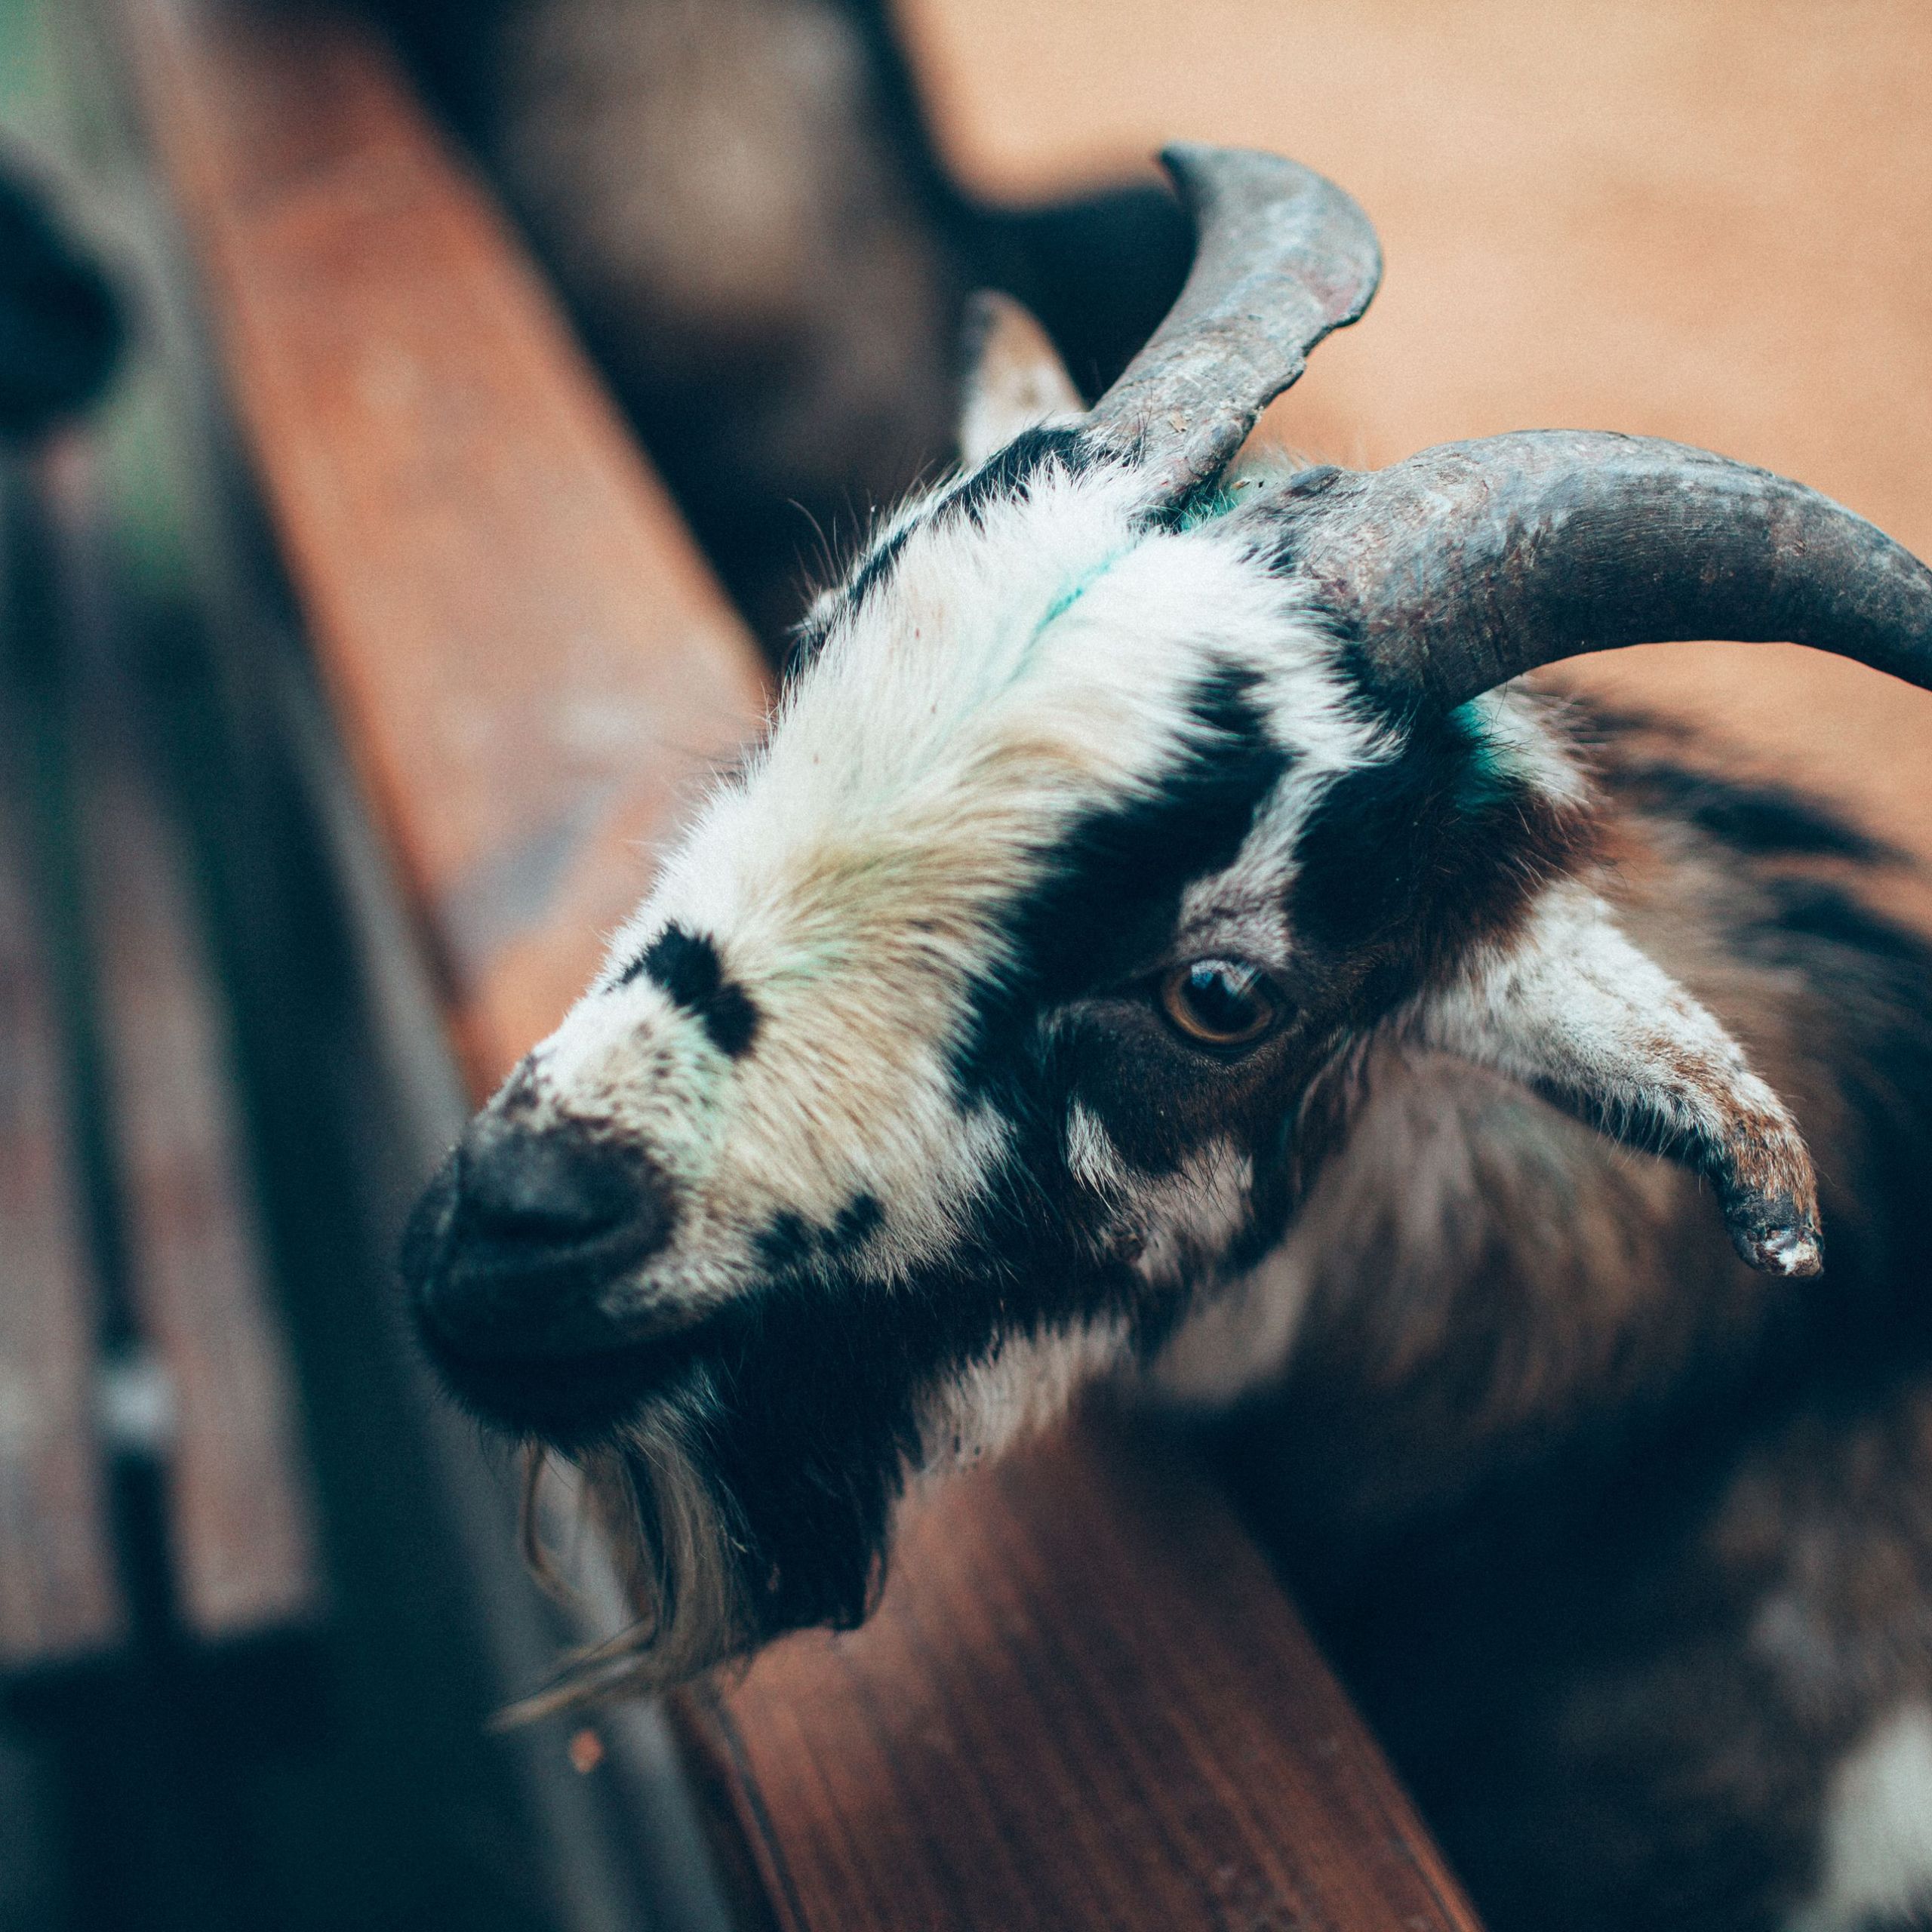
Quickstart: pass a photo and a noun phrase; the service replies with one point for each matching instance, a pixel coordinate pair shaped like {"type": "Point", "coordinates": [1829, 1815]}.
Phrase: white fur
{"type": "Point", "coordinates": [1573, 1008]}
{"type": "Point", "coordinates": [1028, 1383]}
{"type": "Point", "coordinates": [1877, 1848]}
{"type": "Point", "coordinates": [1514, 723]}
{"type": "Point", "coordinates": [1187, 1219]}
{"type": "Point", "coordinates": [1092, 1158]}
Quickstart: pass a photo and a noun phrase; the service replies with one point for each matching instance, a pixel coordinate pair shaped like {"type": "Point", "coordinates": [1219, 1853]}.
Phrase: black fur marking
{"type": "Point", "coordinates": [1114, 886]}
{"type": "Point", "coordinates": [1819, 911]}
{"type": "Point", "coordinates": [876, 568]}
{"type": "Point", "coordinates": [856, 1220]}
{"type": "Point", "coordinates": [1007, 473]}
{"type": "Point", "coordinates": [807, 640]}
{"type": "Point", "coordinates": [790, 1244]}
{"type": "Point", "coordinates": [1405, 864]}
{"type": "Point", "coordinates": [804, 1405]}
{"type": "Point", "coordinates": [813, 1390]}
{"type": "Point", "coordinates": [1004, 475]}
{"type": "Point", "coordinates": [687, 967]}
{"type": "Point", "coordinates": [1876, 973]}
{"type": "Point", "coordinates": [787, 1243]}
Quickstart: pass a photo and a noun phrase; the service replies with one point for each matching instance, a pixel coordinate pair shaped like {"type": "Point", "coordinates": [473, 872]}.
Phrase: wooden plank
{"type": "Point", "coordinates": [1084, 1703]}
{"type": "Point", "coordinates": [531, 662]}
{"type": "Point", "coordinates": [241, 1520]}
{"type": "Point", "coordinates": [59, 1596]}
{"type": "Point", "coordinates": [1086, 1696]}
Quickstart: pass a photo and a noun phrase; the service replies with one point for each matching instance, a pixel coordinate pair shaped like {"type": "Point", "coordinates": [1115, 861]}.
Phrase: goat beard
{"type": "Point", "coordinates": [673, 1546]}
{"type": "Point", "coordinates": [742, 1505]}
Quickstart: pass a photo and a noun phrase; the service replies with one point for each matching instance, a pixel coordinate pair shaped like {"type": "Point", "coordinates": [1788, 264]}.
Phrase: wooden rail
{"type": "Point", "coordinates": [59, 1596]}
{"type": "Point", "coordinates": [1085, 1701]}
{"type": "Point", "coordinates": [135, 1312]}
{"type": "Point", "coordinates": [242, 1537]}
{"type": "Point", "coordinates": [530, 661]}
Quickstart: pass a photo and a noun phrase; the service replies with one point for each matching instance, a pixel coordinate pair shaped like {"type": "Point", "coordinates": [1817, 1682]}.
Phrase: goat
{"type": "Point", "coordinates": [743, 204]}
{"type": "Point", "coordinates": [1159, 940]}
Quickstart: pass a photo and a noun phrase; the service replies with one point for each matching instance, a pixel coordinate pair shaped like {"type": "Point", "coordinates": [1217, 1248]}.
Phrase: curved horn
{"type": "Point", "coordinates": [1281, 257]}
{"type": "Point", "coordinates": [1471, 563]}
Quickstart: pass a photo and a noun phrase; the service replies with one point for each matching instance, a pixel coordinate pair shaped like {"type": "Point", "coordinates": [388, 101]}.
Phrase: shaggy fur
{"type": "Point", "coordinates": [1624, 1543]}
{"type": "Point", "coordinates": [1626, 1550]}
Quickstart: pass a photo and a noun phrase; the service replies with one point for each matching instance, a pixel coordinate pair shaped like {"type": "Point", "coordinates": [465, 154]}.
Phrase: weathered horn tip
{"type": "Point", "coordinates": [1186, 161]}
{"type": "Point", "coordinates": [1282, 256]}
{"type": "Point", "coordinates": [1208, 177]}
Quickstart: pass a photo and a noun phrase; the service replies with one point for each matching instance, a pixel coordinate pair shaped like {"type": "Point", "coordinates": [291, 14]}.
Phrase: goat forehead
{"type": "Point", "coordinates": [1014, 673]}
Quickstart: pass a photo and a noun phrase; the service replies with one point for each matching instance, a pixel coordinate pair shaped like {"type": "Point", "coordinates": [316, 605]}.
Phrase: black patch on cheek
{"type": "Point", "coordinates": [789, 1242]}
{"type": "Point", "coordinates": [1159, 1099]}
{"type": "Point", "coordinates": [817, 1385]}
{"type": "Point", "coordinates": [1118, 1065]}
{"type": "Point", "coordinates": [687, 967]}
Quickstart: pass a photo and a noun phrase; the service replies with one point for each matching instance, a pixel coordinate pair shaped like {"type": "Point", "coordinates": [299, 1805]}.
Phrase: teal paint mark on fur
{"type": "Point", "coordinates": [1489, 776]}
{"type": "Point", "coordinates": [1064, 601]}
{"type": "Point", "coordinates": [1071, 595]}
{"type": "Point", "coordinates": [1216, 504]}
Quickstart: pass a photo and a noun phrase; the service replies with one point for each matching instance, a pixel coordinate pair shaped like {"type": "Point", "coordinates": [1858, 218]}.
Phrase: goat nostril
{"type": "Point", "coordinates": [553, 1187]}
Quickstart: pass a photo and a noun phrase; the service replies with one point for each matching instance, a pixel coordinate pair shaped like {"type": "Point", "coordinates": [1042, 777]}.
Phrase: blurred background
{"type": "Point", "coordinates": [1709, 221]}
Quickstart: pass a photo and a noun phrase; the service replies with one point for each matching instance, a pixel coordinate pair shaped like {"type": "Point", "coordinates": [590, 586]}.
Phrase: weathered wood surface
{"type": "Point", "coordinates": [242, 1536]}
{"type": "Point", "coordinates": [531, 662]}
{"type": "Point", "coordinates": [59, 1596]}
{"type": "Point", "coordinates": [1086, 1702]}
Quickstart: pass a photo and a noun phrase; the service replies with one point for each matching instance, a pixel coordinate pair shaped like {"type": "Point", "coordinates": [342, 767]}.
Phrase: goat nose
{"type": "Point", "coordinates": [547, 1187]}
{"type": "Point", "coordinates": [522, 1248]}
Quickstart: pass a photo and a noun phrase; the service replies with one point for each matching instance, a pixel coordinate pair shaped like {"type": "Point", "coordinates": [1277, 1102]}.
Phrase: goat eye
{"type": "Point", "coordinates": [1219, 1002]}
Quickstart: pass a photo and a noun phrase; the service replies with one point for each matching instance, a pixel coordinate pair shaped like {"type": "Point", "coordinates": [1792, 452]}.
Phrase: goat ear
{"type": "Point", "coordinates": [1012, 379]}
{"type": "Point", "coordinates": [1576, 1012]}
